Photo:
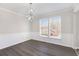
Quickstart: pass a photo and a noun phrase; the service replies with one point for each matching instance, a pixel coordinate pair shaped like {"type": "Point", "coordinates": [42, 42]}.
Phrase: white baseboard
{"type": "Point", "coordinates": [76, 48]}
{"type": "Point", "coordinates": [7, 40]}
{"type": "Point", "coordinates": [66, 39]}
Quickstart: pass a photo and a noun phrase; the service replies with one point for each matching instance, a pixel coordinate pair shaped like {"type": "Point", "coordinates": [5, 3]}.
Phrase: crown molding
{"type": "Point", "coordinates": [7, 10]}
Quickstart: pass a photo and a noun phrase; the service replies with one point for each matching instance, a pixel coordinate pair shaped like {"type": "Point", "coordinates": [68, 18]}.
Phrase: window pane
{"type": "Point", "coordinates": [55, 27]}
{"type": "Point", "coordinates": [44, 27]}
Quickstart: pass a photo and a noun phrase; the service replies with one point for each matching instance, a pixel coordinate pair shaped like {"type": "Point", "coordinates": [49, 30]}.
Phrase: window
{"type": "Point", "coordinates": [55, 27]}
{"type": "Point", "coordinates": [44, 27]}
{"type": "Point", "coordinates": [51, 27]}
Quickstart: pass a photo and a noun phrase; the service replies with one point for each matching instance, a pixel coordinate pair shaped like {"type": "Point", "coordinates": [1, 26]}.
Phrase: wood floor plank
{"type": "Point", "coordinates": [37, 48]}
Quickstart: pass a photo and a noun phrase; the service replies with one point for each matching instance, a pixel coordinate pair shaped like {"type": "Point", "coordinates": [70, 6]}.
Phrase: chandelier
{"type": "Point", "coordinates": [29, 15]}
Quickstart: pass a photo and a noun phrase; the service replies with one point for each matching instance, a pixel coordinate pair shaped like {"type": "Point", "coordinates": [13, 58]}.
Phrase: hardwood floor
{"type": "Point", "coordinates": [77, 51]}
{"type": "Point", "coordinates": [37, 48]}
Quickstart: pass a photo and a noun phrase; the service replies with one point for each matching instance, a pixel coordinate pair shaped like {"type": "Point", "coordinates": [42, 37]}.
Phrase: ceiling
{"type": "Point", "coordinates": [38, 8]}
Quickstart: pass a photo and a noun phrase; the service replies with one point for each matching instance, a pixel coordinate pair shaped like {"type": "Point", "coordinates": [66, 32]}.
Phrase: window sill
{"type": "Point", "coordinates": [51, 37]}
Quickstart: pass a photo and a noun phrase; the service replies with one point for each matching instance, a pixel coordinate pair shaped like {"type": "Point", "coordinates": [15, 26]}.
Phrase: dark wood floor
{"type": "Point", "coordinates": [37, 48]}
{"type": "Point", "coordinates": [77, 51]}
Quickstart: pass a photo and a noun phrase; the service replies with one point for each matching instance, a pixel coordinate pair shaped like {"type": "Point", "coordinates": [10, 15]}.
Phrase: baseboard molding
{"type": "Point", "coordinates": [8, 40]}
{"type": "Point", "coordinates": [62, 42]}
{"type": "Point", "coordinates": [9, 45]}
{"type": "Point", "coordinates": [55, 43]}
{"type": "Point", "coordinates": [76, 48]}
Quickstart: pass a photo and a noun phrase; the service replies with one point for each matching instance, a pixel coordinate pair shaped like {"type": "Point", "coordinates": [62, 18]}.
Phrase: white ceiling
{"type": "Point", "coordinates": [39, 8]}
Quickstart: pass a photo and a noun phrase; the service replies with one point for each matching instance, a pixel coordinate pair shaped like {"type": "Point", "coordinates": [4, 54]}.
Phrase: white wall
{"type": "Point", "coordinates": [13, 28]}
{"type": "Point", "coordinates": [67, 38]}
{"type": "Point", "coordinates": [77, 29]}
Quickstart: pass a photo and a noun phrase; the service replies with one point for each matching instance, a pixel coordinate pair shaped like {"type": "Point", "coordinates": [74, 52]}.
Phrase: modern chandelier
{"type": "Point", "coordinates": [29, 15]}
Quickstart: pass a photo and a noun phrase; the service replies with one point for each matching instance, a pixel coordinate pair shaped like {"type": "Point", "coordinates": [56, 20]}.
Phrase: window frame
{"type": "Point", "coordinates": [49, 28]}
